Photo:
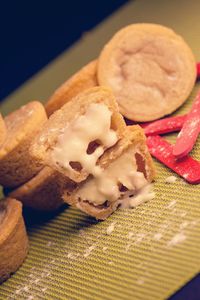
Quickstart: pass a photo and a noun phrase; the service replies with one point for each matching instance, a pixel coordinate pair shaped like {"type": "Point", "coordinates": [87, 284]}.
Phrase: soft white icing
{"type": "Point", "coordinates": [141, 196]}
{"type": "Point", "coordinates": [106, 186]}
{"type": "Point", "coordinates": [73, 143]}
{"type": "Point", "coordinates": [170, 179]}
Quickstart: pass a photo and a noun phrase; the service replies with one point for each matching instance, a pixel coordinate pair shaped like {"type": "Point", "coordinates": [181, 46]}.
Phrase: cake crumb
{"type": "Point", "coordinates": [140, 281]}
{"type": "Point", "coordinates": [110, 228]}
{"type": "Point", "coordinates": [89, 250]}
{"type": "Point", "coordinates": [170, 179]}
{"type": "Point", "coordinates": [171, 204]}
{"type": "Point", "coordinates": [157, 236]}
{"type": "Point", "coordinates": [177, 239]}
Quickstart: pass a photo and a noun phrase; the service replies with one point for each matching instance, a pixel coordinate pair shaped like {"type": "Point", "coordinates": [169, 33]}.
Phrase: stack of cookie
{"type": "Point", "coordinates": [78, 149]}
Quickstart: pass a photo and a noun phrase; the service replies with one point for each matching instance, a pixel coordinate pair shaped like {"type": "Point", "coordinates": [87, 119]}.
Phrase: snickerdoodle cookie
{"type": "Point", "coordinates": [150, 69]}
{"type": "Point", "coordinates": [16, 165]}
{"type": "Point", "coordinates": [13, 237]}
{"type": "Point", "coordinates": [77, 135]}
{"type": "Point", "coordinates": [82, 80]}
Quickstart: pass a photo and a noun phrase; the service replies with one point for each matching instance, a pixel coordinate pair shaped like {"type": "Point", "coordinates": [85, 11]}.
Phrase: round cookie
{"type": "Point", "coordinates": [16, 165]}
{"type": "Point", "coordinates": [2, 130]}
{"type": "Point", "coordinates": [13, 237]}
{"type": "Point", "coordinates": [150, 69]}
{"type": "Point", "coordinates": [43, 192]}
{"type": "Point", "coordinates": [82, 80]}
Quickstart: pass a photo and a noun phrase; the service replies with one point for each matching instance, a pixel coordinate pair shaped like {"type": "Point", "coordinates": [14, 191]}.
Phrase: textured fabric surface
{"type": "Point", "coordinates": [145, 253]}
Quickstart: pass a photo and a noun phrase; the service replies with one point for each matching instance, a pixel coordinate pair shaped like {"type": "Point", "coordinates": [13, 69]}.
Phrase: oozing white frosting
{"type": "Point", "coordinates": [106, 186]}
{"type": "Point", "coordinates": [145, 194]}
{"type": "Point", "coordinates": [72, 145]}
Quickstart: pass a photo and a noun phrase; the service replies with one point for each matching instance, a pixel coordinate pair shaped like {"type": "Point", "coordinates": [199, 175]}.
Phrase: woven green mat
{"type": "Point", "coordinates": [145, 253]}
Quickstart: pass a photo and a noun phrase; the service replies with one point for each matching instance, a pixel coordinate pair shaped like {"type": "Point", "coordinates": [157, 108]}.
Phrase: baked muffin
{"type": "Point", "coordinates": [2, 130]}
{"type": "Point", "coordinates": [13, 237]}
{"type": "Point", "coordinates": [16, 165]}
{"type": "Point", "coordinates": [82, 80]}
{"type": "Point", "coordinates": [75, 136]}
{"type": "Point", "coordinates": [44, 191]}
{"type": "Point", "coordinates": [127, 170]}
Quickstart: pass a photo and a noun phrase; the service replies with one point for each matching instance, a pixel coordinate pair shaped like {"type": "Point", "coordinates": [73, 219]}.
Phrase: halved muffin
{"type": "Point", "coordinates": [77, 135]}
{"type": "Point", "coordinates": [126, 171]}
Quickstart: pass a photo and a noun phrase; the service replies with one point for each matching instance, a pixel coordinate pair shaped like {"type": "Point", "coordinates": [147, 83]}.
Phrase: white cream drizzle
{"type": "Point", "coordinates": [73, 143]}
{"type": "Point", "coordinates": [106, 186]}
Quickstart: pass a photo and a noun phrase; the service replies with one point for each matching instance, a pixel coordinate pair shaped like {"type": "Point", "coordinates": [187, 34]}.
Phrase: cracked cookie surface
{"type": "Point", "coordinates": [150, 69]}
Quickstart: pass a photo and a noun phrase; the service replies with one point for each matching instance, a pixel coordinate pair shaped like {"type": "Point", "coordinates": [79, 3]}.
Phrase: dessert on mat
{"type": "Point", "coordinates": [2, 130]}
{"type": "Point", "coordinates": [44, 191]}
{"type": "Point", "coordinates": [82, 80]}
{"type": "Point", "coordinates": [84, 154]}
{"type": "Point", "coordinates": [126, 171]}
{"type": "Point", "coordinates": [13, 237]}
{"type": "Point", "coordinates": [16, 165]}
{"type": "Point", "coordinates": [150, 69]}
{"type": "Point", "coordinates": [74, 137]}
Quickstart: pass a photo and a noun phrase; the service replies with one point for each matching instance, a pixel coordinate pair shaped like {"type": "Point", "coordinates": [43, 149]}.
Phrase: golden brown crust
{"type": "Point", "coordinates": [150, 69]}
{"type": "Point", "coordinates": [84, 79]}
{"type": "Point", "coordinates": [43, 192]}
{"type": "Point", "coordinates": [2, 130]}
{"type": "Point", "coordinates": [133, 138]}
{"type": "Point", "coordinates": [13, 238]}
{"type": "Point", "coordinates": [16, 165]}
{"type": "Point", "coordinates": [41, 148]}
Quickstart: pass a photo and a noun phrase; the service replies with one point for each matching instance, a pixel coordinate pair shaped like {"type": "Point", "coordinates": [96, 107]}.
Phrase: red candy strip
{"type": "Point", "coordinates": [166, 125]}
{"type": "Point", "coordinates": [198, 70]}
{"type": "Point", "coordinates": [189, 132]}
{"type": "Point", "coordinates": [187, 167]}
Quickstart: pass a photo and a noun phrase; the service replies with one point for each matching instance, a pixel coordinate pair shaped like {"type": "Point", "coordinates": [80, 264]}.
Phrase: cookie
{"type": "Point", "coordinates": [150, 69]}
{"type": "Point", "coordinates": [13, 237]}
{"type": "Point", "coordinates": [43, 192]}
{"type": "Point", "coordinates": [82, 80]}
{"type": "Point", "coordinates": [75, 136]}
{"type": "Point", "coordinates": [2, 130]}
{"type": "Point", "coordinates": [127, 168]}
{"type": "Point", "coordinates": [16, 165]}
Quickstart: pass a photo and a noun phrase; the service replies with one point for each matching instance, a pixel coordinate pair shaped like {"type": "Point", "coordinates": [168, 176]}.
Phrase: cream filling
{"type": "Point", "coordinates": [106, 187]}
{"type": "Point", "coordinates": [72, 145]}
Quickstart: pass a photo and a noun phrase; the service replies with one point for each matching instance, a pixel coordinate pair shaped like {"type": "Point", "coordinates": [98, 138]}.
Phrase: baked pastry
{"type": "Point", "coordinates": [44, 191]}
{"type": "Point", "coordinates": [75, 136]}
{"type": "Point", "coordinates": [82, 80]}
{"type": "Point", "coordinates": [16, 165]}
{"type": "Point", "coordinates": [127, 169]}
{"type": "Point", "coordinates": [13, 237]}
{"type": "Point", "coordinates": [150, 69]}
{"type": "Point", "coordinates": [2, 130]}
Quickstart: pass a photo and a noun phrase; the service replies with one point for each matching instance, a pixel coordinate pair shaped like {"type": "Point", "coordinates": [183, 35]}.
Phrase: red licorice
{"type": "Point", "coordinates": [189, 132]}
{"type": "Point", "coordinates": [186, 167]}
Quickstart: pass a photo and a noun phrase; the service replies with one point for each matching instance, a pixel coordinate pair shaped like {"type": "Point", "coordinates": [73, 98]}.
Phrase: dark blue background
{"type": "Point", "coordinates": [32, 33]}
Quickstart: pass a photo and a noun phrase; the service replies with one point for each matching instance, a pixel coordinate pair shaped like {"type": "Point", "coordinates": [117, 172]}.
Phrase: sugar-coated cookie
{"type": "Point", "coordinates": [76, 135]}
{"type": "Point", "coordinates": [2, 130]}
{"type": "Point", "coordinates": [16, 165]}
{"type": "Point", "coordinates": [127, 169]}
{"type": "Point", "coordinates": [13, 237]}
{"type": "Point", "coordinates": [82, 80]}
{"type": "Point", "coordinates": [150, 69]}
{"type": "Point", "coordinates": [44, 191]}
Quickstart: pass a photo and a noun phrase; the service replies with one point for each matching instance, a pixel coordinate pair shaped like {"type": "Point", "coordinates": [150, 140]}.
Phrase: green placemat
{"type": "Point", "coordinates": [145, 253]}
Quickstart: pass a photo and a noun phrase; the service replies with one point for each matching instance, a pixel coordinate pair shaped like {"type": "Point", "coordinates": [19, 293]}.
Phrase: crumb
{"type": "Point", "coordinates": [170, 179]}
